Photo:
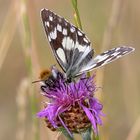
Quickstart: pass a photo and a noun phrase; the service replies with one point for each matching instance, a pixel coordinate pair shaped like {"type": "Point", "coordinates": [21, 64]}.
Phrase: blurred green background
{"type": "Point", "coordinates": [24, 52]}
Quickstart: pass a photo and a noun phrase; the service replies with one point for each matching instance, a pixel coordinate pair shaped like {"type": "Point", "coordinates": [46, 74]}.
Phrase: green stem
{"type": "Point", "coordinates": [77, 19]}
{"type": "Point", "coordinates": [86, 135]}
{"type": "Point", "coordinates": [95, 137]}
{"type": "Point", "coordinates": [64, 131]}
{"type": "Point", "coordinates": [76, 14]}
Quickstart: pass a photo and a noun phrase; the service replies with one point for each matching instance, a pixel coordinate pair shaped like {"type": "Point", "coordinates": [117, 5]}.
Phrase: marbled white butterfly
{"type": "Point", "coordinates": [72, 48]}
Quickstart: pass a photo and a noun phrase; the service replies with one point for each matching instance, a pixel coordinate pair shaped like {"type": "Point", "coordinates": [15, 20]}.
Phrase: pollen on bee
{"type": "Point", "coordinates": [45, 74]}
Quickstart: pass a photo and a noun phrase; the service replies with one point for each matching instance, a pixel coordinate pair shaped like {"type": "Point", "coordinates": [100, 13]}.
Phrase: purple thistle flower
{"type": "Point", "coordinates": [72, 105]}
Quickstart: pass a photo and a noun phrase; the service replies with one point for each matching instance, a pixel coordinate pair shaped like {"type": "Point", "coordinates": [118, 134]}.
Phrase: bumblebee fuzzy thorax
{"type": "Point", "coordinates": [45, 74]}
{"type": "Point", "coordinates": [50, 78]}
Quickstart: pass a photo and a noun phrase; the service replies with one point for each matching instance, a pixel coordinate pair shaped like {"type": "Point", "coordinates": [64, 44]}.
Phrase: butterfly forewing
{"type": "Point", "coordinates": [70, 45]}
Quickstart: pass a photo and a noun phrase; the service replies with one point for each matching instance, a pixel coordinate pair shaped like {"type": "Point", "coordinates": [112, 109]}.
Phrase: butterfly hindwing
{"type": "Point", "coordinates": [107, 57]}
{"type": "Point", "coordinates": [70, 45]}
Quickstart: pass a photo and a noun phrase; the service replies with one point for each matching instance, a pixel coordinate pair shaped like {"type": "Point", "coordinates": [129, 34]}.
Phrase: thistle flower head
{"type": "Point", "coordinates": [72, 105]}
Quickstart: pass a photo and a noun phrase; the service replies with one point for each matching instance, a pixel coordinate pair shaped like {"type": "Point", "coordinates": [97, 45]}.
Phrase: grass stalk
{"type": "Point", "coordinates": [7, 33]}
{"type": "Point", "coordinates": [21, 100]}
{"type": "Point", "coordinates": [27, 49]}
{"type": "Point", "coordinates": [112, 23]}
{"type": "Point", "coordinates": [108, 34]}
{"type": "Point", "coordinates": [135, 130]}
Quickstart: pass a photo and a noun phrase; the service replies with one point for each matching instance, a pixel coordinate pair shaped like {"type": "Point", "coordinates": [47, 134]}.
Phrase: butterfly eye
{"type": "Point", "coordinates": [45, 74]}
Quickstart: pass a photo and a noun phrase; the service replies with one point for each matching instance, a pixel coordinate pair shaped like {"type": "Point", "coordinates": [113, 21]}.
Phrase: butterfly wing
{"type": "Point", "coordinates": [72, 48]}
{"type": "Point", "coordinates": [106, 57]}
{"type": "Point", "coordinates": [69, 45]}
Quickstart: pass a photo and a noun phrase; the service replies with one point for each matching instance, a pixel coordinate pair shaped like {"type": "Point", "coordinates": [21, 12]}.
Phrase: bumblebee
{"type": "Point", "coordinates": [49, 78]}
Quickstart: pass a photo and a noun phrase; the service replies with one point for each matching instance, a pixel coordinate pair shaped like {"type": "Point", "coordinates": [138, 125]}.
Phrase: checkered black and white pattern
{"type": "Point", "coordinates": [72, 48]}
